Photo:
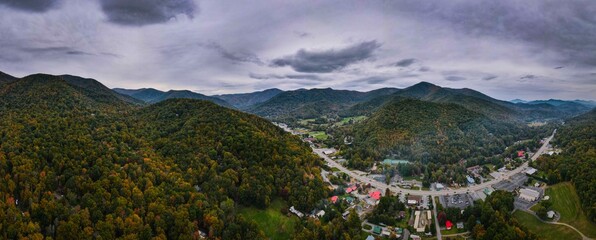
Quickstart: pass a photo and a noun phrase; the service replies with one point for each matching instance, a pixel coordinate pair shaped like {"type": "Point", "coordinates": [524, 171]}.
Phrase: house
{"type": "Point", "coordinates": [370, 237]}
{"type": "Point", "coordinates": [531, 171]}
{"type": "Point", "coordinates": [528, 194]}
{"type": "Point", "coordinates": [470, 179]}
{"type": "Point", "coordinates": [320, 213]}
{"type": "Point", "coordinates": [294, 211]}
{"type": "Point", "coordinates": [439, 186]}
{"type": "Point", "coordinates": [376, 195]}
{"type": "Point", "coordinates": [351, 189]}
{"type": "Point", "coordinates": [448, 225]}
{"type": "Point", "coordinates": [334, 199]}
{"type": "Point", "coordinates": [415, 237]}
{"type": "Point", "coordinates": [377, 230]}
{"type": "Point", "coordinates": [550, 214]}
{"type": "Point", "coordinates": [460, 225]}
{"type": "Point", "coordinates": [520, 154]}
{"type": "Point", "coordinates": [349, 199]}
{"type": "Point", "coordinates": [385, 232]}
{"type": "Point", "coordinates": [474, 169]}
{"type": "Point", "coordinates": [329, 151]}
{"type": "Point", "coordinates": [413, 199]}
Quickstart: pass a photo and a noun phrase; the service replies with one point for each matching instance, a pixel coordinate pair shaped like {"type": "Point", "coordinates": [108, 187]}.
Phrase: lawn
{"type": "Point", "coordinates": [271, 221]}
{"type": "Point", "coordinates": [306, 121]}
{"type": "Point", "coordinates": [453, 230]}
{"type": "Point", "coordinates": [319, 135]}
{"type": "Point", "coordinates": [566, 202]}
{"type": "Point", "coordinates": [356, 119]}
{"type": "Point", "coordinates": [543, 230]}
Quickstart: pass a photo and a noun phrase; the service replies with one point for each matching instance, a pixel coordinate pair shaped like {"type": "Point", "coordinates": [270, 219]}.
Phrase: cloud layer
{"type": "Point", "coordinates": [328, 60]}
{"type": "Point", "coordinates": [507, 49]}
{"type": "Point", "coordinates": [144, 12]}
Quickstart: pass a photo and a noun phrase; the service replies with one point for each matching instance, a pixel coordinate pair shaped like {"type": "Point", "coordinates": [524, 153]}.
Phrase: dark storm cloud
{"type": "Point", "coordinates": [328, 60]}
{"type": "Point", "coordinates": [529, 76]}
{"type": "Point", "coordinates": [489, 77]}
{"type": "Point", "coordinates": [404, 62]}
{"type": "Point", "coordinates": [234, 56]}
{"type": "Point", "coordinates": [454, 78]}
{"type": "Point", "coordinates": [287, 76]}
{"type": "Point", "coordinates": [559, 67]}
{"type": "Point", "coordinates": [374, 79]}
{"type": "Point", "coordinates": [301, 34]}
{"type": "Point", "coordinates": [145, 12]}
{"type": "Point", "coordinates": [31, 5]}
{"type": "Point", "coordinates": [566, 27]}
{"type": "Point", "coordinates": [55, 50]}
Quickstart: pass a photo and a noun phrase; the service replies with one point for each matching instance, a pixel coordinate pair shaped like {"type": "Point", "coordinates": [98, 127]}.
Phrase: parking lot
{"type": "Point", "coordinates": [525, 205]}
{"type": "Point", "coordinates": [512, 183]}
{"type": "Point", "coordinates": [460, 201]}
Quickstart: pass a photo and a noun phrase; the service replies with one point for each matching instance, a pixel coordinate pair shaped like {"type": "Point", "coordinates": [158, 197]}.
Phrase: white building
{"type": "Point", "coordinates": [529, 194]}
{"type": "Point", "coordinates": [294, 211]}
{"type": "Point", "coordinates": [531, 171]}
{"type": "Point", "coordinates": [550, 214]}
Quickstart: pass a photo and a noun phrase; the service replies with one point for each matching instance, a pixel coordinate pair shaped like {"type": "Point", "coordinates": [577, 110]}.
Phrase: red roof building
{"type": "Point", "coordinates": [351, 189]}
{"type": "Point", "coordinates": [334, 199]}
{"type": "Point", "coordinates": [376, 195]}
{"type": "Point", "coordinates": [520, 153]}
{"type": "Point", "coordinates": [448, 225]}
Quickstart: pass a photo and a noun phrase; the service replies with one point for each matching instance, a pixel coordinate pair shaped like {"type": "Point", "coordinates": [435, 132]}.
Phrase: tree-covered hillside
{"type": "Point", "coordinates": [577, 162]}
{"type": "Point", "coordinates": [77, 165]}
{"type": "Point", "coordinates": [429, 132]}
{"type": "Point", "coordinates": [150, 95]}
{"type": "Point", "coordinates": [313, 103]}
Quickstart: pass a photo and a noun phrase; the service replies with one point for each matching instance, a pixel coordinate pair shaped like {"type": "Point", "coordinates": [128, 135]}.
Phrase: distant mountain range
{"type": "Point", "coordinates": [150, 95]}
{"type": "Point", "coordinates": [557, 102]}
{"type": "Point", "coordinates": [246, 100]}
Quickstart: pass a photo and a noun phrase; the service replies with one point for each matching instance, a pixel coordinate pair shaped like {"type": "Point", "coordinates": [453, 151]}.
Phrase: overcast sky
{"type": "Point", "coordinates": [507, 49]}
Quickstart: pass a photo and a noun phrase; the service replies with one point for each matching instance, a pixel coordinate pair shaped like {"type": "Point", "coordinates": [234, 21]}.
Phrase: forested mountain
{"type": "Point", "coordinates": [429, 132]}
{"type": "Point", "coordinates": [79, 164]}
{"type": "Point", "coordinates": [5, 78]}
{"type": "Point", "coordinates": [577, 161]}
{"type": "Point", "coordinates": [246, 100]}
{"type": "Point", "coordinates": [313, 103]}
{"type": "Point", "coordinates": [96, 90]}
{"type": "Point", "coordinates": [475, 101]}
{"type": "Point", "coordinates": [150, 95]}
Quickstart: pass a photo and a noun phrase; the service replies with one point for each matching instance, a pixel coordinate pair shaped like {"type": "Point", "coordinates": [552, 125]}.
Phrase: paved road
{"type": "Point", "coordinates": [382, 186]}
{"type": "Point", "coordinates": [584, 237]}
{"type": "Point", "coordinates": [438, 228]}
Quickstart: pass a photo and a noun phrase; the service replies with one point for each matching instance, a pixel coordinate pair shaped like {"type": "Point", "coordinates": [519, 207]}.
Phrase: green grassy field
{"type": "Point", "coordinates": [271, 221]}
{"type": "Point", "coordinates": [453, 230]}
{"type": "Point", "coordinates": [543, 230]}
{"type": "Point", "coordinates": [306, 121]}
{"type": "Point", "coordinates": [319, 135]}
{"type": "Point", "coordinates": [566, 202]}
{"type": "Point", "coordinates": [356, 119]}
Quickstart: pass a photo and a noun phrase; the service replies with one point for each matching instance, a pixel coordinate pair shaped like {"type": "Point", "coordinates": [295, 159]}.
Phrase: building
{"type": "Point", "coordinates": [370, 237]}
{"type": "Point", "coordinates": [421, 219]}
{"type": "Point", "coordinates": [376, 195]}
{"type": "Point", "coordinates": [329, 151]}
{"type": "Point", "coordinates": [460, 225]}
{"type": "Point", "coordinates": [448, 225]}
{"type": "Point", "coordinates": [320, 213]}
{"type": "Point", "coordinates": [550, 214]}
{"type": "Point", "coordinates": [294, 211]}
{"type": "Point", "coordinates": [377, 230]}
{"type": "Point", "coordinates": [529, 194]}
{"type": "Point", "coordinates": [334, 199]}
{"type": "Point", "coordinates": [531, 171]}
{"type": "Point", "coordinates": [439, 186]}
{"type": "Point", "coordinates": [415, 237]}
{"type": "Point", "coordinates": [520, 154]}
{"type": "Point", "coordinates": [413, 199]}
{"type": "Point", "coordinates": [351, 189]}
{"type": "Point", "coordinates": [395, 162]}
{"type": "Point", "coordinates": [470, 179]}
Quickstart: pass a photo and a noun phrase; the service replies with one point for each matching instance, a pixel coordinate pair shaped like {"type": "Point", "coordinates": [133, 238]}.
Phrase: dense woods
{"type": "Point", "coordinates": [492, 219]}
{"type": "Point", "coordinates": [82, 164]}
{"type": "Point", "coordinates": [577, 161]}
